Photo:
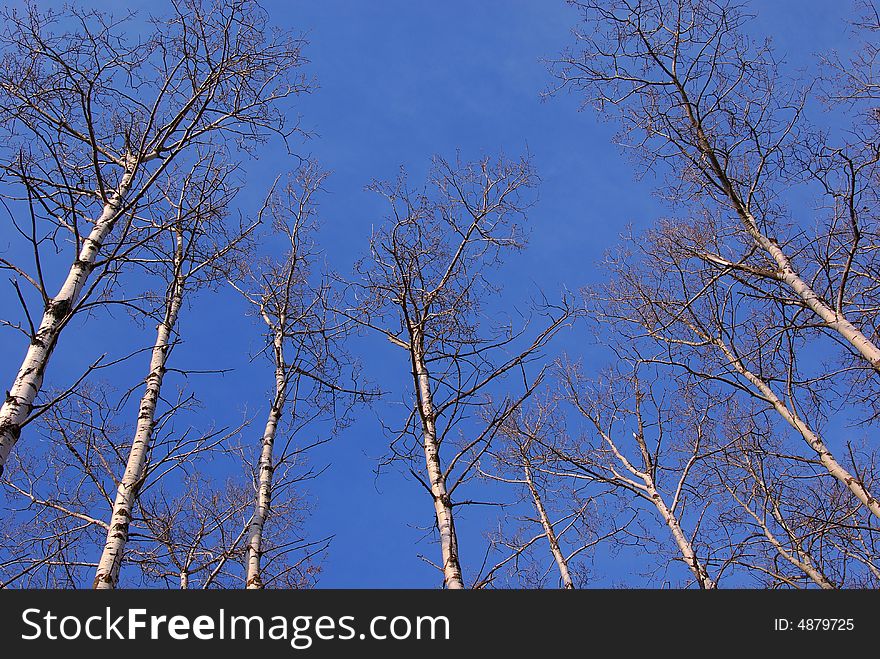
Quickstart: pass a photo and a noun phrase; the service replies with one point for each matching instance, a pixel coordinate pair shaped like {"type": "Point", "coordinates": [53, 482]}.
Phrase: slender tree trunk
{"type": "Point", "coordinates": [552, 538]}
{"type": "Point", "coordinates": [442, 504]}
{"type": "Point", "coordinates": [802, 561]}
{"type": "Point", "coordinates": [825, 457]}
{"type": "Point", "coordinates": [787, 272]}
{"type": "Point", "coordinates": [799, 558]}
{"type": "Point", "coordinates": [184, 580]}
{"type": "Point", "coordinates": [646, 475]}
{"type": "Point", "coordinates": [107, 575]}
{"type": "Point", "coordinates": [684, 544]}
{"type": "Point", "coordinates": [834, 320]}
{"type": "Point", "coordinates": [28, 381]}
{"type": "Point", "coordinates": [265, 470]}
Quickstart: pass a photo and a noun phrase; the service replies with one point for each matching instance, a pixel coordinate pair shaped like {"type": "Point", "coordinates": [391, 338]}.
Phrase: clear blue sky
{"type": "Point", "coordinates": [400, 80]}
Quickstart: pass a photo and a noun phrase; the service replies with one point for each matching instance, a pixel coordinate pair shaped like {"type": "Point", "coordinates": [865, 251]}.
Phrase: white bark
{"type": "Point", "coordinates": [834, 320]}
{"type": "Point", "coordinates": [684, 544]}
{"type": "Point", "coordinates": [265, 471]}
{"type": "Point", "coordinates": [107, 574]}
{"type": "Point", "coordinates": [29, 379]}
{"type": "Point", "coordinates": [787, 272]}
{"type": "Point", "coordinates": [825, 457]}
{"type": "Point", "coordinates": [442, 504]}
{"type": "Point", "coordinates": [649, 487]}
{"type": "Point", "coordinates": [800, 559]}
{"type": "Point", "coordinates": [552, 538]}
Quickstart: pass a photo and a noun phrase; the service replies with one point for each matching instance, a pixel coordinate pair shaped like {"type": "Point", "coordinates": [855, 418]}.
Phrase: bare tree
{"type": "Point", "coordinates": [195, 534]}
{"type": "Point", "coordinates": [550, 533]}
{"type": "Point", "coordinates": [200, 249]}
{"type": "Point", "coordinates": [425, 287]}
{"type": "Point", "coordinates": [761, 492]}
{"type": "Point", "coordinates": [304, 340]}
{"type": "Point", "coordinates": [794, 525]}
{"type": "Point", "coordinates": [197, 538]}
{"type": "Point", "coordinates": [752, 290]}
{"type": "Point", "coordinates": [186, 531]}
{"type": "Point", "coordinates": [93, 118]}
{"type": "Point", "coordinates": [715, 331]}
{"type": "Point", "coordinates": [56, 505]}
{"type": "Point", "coordinates": [643, 443]}
{"type": "Point", "coordinates": [525, 459]}
{"type": "Point", "coordinates": [60, 501]}
{"type": "Point", "coordinates": [701, 100]}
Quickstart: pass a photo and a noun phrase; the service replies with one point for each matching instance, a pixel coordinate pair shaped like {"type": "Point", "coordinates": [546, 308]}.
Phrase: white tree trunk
{"type": "Point", "coordinates": [265, 471]}
{"type": "Point", "coordinates": [646, 475]}
{"type": "Point", "coordinates": [835, 321]}
{"type": "Point", "coordinates": [684, 544]}
{"type": "Point", "coordinates": [787, 272]}
{"type": "Point", "coordinates": [442, 505]}
{"type": "Point", "coordinates": [28, 381]}
{"type": "Point", "coordinates": [552, 538]}
{"type": "Point", "coordinates": [799, 558]}
{"type": "Point", "coordinates": [825, 457]}
{"type": "Point", "coordinates": [107, 574]}
{"type": "Point", "coordinates": [802, 561]}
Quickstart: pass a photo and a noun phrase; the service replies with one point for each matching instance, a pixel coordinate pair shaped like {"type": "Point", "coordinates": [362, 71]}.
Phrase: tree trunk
{"type": "Point", "coordinates": [265, 470]}
{"type": "Point", "coordinates": [29, 379]}
{"type": "Point", "coordinates": [107, 574]}
{"type": "Point", "coordinates": [834, 320]}
{"type": "Point", "coordinates": [802, 561]}
{"type": "Point", "coordinates": [787, 273]}
{"type": "Point", "coordinates": [552, 538]}
{"type": "Point", "coordinates": [684, 545]}
{"type": "Point", "coordinates": [452, 577]}
{"type": "Point", "coordinates": [825, 457]}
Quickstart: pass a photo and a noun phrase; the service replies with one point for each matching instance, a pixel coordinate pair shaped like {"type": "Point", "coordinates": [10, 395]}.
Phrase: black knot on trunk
{"type": "Point", "coordinates": [58, 308]}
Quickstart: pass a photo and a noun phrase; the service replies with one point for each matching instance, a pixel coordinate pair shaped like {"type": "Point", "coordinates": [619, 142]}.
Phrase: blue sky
{"type": "Point", "coordinates": [399, 81]}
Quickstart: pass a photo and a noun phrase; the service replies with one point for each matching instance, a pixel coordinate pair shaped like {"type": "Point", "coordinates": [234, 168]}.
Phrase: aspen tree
{"type": "Point", "coordinates": [704, 102]}
{"type": "Point", "coordinates": [524, 459]}
{"type": "Point", "coordinates": [62, 501]}
{"type": "Point", "coordinates": [199, 248]}
{"type": "Point", "coordinates": [93, 117]}
{"type": "Point", "coordinates": [425, 286]}
{"type": "Point", "coordinates": [304, 341]}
